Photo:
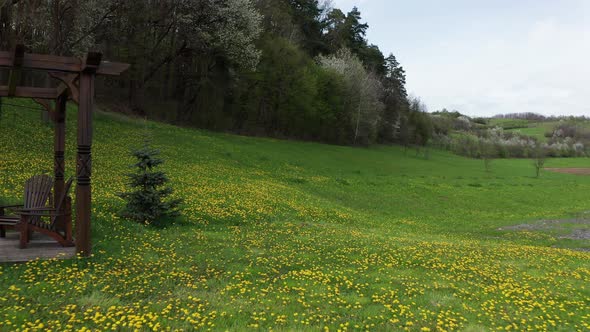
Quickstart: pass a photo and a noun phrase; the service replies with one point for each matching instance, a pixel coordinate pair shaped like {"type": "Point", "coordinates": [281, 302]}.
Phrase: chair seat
{"type": "Point", "coordinates": [8, 222]}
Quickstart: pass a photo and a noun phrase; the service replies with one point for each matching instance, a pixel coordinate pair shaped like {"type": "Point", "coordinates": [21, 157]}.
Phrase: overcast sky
{"type": "Point", "coordinates": [484, 57]}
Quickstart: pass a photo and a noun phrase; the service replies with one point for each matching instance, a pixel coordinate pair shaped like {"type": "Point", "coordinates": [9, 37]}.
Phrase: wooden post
{"type": "Point", "coordinates": [59, 147]}
{"type": "Point", "coordinates": [84, 160]}
{"type": "Point", "coordinates": [15, 73]}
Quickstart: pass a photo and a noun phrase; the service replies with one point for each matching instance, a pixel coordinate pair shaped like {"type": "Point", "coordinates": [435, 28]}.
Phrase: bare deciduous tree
{"type": "Point", "coordinates": [539, 159]}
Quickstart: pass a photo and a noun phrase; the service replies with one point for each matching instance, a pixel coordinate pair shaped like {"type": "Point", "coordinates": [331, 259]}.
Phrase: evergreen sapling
{"type": "Point", "coordinates": [148, 200]}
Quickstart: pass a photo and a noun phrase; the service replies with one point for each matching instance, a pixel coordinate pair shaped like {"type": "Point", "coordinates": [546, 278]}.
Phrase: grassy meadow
{"type": "Point", "coordinates": [282, 235]}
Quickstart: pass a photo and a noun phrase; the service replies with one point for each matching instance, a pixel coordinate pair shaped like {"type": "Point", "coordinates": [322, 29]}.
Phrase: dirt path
{"type": "Point", "coordinates": [576, 171]}
{"type": "Point", "coordinates": [572, 229]}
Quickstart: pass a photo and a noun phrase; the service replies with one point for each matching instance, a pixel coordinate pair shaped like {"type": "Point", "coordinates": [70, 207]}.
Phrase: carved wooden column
{"type": "Point", "coordinates": [84, 160]}
{"type": "Point", "coordinates": [59, 147]}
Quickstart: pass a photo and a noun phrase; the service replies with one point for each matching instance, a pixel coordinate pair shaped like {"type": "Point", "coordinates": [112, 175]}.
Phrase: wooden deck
{"type": "Point", "coordinates": [40, 247]}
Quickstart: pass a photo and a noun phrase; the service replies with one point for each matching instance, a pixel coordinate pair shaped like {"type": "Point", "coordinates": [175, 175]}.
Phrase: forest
{"type": "Point", "coordinates": [297, 69]}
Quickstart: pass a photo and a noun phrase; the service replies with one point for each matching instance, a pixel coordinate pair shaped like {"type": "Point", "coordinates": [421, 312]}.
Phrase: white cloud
{"type": "Point", "coordinates": [521, 59]}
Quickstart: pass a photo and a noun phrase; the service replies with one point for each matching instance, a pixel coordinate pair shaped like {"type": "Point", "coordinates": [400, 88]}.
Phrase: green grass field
{"type": "Point", "coordinates": [283, 236]}
{"type": "Point", "coordinates": [536, 130]}
{"type": "Point", "coordinates": [509, 124]}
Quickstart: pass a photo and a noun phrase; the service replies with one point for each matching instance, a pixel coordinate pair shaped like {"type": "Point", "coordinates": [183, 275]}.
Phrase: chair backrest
{"type": "Point", "coordinates": [61, 204]}
{"type": "Point", "coordinates": [62, 200]}
{"type": "Point", "coordinates": [37, 191]}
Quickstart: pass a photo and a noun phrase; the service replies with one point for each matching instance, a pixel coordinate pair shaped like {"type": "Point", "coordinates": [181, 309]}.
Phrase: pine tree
{"type": "Point", "coordinates": [147, 201]}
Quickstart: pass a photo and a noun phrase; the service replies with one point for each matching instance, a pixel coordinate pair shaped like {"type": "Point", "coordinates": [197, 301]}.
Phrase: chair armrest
{"type": "Point", "coordinates": [34, 212]}
{"type": "Point", "coordinates": [41, 214]}
{"type": "Point", "coordinates": [40, 211]}
{"type": "Point", "coordinates": [37, 209]}
{"type": "Point", "coordinates": [10, 206]}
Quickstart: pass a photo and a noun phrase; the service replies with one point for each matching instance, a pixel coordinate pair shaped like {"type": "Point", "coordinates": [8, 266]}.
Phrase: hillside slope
{"type": "Point", "coordinates": [297, 236]}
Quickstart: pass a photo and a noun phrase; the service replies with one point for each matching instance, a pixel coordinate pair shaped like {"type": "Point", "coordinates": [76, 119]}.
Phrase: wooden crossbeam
{"type": "Point", "coordinates": [16, 69]}
{"type": "Point", "coordinates": [67, 84]}
{"type": "Point", "coordinates": [29, 92]}
{"type": "Point", "coordinates": [46, 104]}
{"type": "Point", "coordinates": [61, 63]}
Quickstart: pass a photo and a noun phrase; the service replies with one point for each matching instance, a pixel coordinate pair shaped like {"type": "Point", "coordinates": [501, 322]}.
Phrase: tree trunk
{"type": "Point", "coordinates": [358, 120]}
{"type": "Point", "coordinates": [6, 32]}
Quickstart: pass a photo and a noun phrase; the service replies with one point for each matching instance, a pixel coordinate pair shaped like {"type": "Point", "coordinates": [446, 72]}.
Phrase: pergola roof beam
{"type": "Point", "coordinates": [61, 63]}
{"type": "Point", "coordinates": [29, 92]}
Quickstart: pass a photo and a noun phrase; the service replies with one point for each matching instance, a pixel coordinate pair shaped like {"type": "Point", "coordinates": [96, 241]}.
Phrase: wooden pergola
{"type": "Point", "coordinates": [76, 77]}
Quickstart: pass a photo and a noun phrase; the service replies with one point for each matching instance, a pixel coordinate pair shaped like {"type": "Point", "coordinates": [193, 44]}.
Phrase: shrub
{"type": "Point", "coordinates": [442, 126]}
{"type": "Point", "coordinates": [462, 123]}
{"type": "Point", "coordinates": [478, 143]}
{"type": "Point", "coordinates": [466, 145]}
{"type": "Point", "coordinates": [481, 121]}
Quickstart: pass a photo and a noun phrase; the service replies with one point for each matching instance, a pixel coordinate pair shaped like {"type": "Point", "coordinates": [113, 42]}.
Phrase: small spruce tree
{"type": "Point", "coordinates": [148, 200]}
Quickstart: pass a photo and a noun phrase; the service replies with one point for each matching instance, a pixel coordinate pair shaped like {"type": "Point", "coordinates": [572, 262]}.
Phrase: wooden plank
{"type": "Point", "coordinates": [29, 92]}
{"type": "Point", "coordinates": [61, 63]}
{"type": "Point", "coordinates": [40, 247]}
{"type": "Point", "coordinates": [112, 68]}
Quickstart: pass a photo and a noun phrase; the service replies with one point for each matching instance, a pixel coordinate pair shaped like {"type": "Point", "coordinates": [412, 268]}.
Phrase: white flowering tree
{"type": "Point", "coordinates": [238, 31]}
{"type": "Point", "coordinates": [364, 90]}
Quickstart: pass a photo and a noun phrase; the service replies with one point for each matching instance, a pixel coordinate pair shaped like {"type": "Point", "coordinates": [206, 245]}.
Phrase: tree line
{"type": "Point", "coordinates": [540, 117]}
{"type": "Point", "coordinates": [282, 68]}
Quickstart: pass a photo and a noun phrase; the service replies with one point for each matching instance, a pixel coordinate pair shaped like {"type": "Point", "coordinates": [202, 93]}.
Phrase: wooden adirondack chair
{"type": "Point", "coordinates": [37, 193]}
{"type": "Point", "coordinates": [58, 226]}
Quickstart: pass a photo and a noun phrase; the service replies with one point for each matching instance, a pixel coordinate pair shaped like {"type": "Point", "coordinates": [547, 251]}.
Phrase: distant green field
{"type": "Point", "coordinates": [509, 123]}
{"type": "Point", "coordinates": [536, 129]}
{"type": "Point", "coordinates": [292, 236]}
{"type": "Point", "coordinates": [533, 128]}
